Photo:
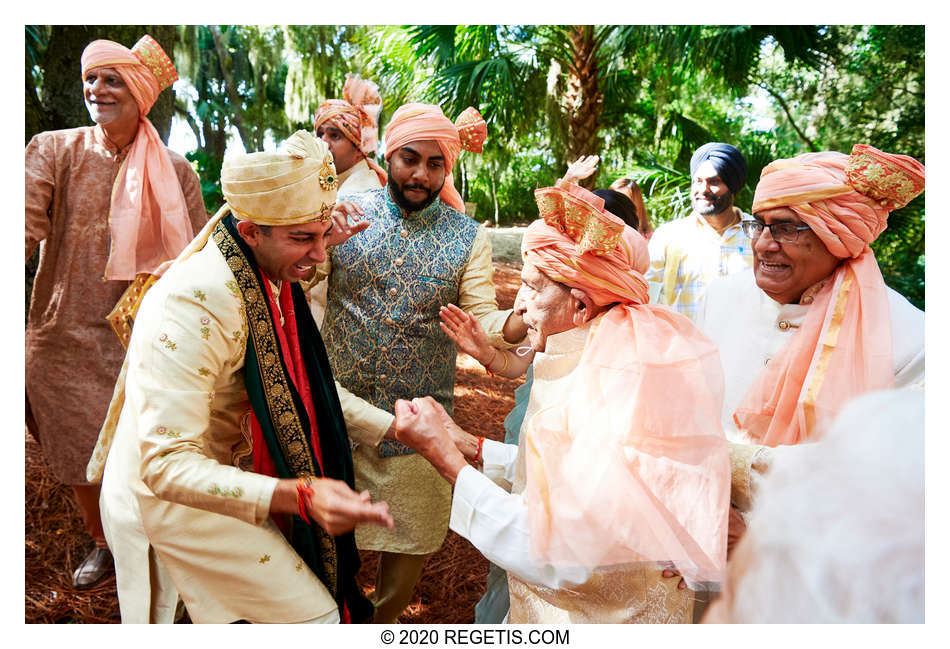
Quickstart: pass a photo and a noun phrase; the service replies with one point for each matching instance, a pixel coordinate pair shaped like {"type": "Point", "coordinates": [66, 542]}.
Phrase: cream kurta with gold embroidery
{"type": "Point", "coordinates": [496, 523]}
{"type": "Point", "coordinates": [172, 479]}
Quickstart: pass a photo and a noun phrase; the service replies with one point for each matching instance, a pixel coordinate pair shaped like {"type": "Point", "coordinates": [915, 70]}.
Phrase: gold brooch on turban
{"type": "Point", "coordinates": [296, 185]}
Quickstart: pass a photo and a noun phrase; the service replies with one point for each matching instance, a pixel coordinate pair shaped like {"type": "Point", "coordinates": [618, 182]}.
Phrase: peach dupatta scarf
{"type": "Point", "coordinates": [844, 346]}
{"type": "Point", "coordinates": [634, 466]}
{"type": "Point", "coordinates": [148, 219]}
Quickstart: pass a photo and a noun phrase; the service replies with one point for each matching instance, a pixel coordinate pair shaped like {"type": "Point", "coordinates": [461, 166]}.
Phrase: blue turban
{"type": "Point", "coordinates": [725, 159]}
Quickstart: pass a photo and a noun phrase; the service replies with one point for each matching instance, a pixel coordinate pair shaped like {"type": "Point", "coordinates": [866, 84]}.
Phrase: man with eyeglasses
{"type": "Point", "coordinates": [812, 324]}
{"type": "Point", "coordinates": [689, 253]}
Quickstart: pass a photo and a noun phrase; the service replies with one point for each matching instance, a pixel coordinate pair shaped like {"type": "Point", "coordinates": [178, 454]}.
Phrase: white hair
{"type": "Point", "coordinates": [838, 533]}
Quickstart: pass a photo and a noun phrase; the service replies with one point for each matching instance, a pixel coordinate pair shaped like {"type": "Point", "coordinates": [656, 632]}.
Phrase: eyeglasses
{"type": "Point", "coordinates": [781, 232]}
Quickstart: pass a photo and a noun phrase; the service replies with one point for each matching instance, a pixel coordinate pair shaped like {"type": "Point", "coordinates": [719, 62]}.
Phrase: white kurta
{"type": "Point", "coordinates": [750, 328]}
{"type": "Point", "coordinates": [496, 522]}
{"type": "Point", "coordinates": [483, 512]}
{"type": "Point", "coordinates": [171, 479]}
{"type": "Point", "coordinates": [745, 323]}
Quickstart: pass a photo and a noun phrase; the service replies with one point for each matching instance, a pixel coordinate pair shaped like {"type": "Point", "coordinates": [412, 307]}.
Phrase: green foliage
{"type": "Point", "coordinates": [643, 97]}
{"type": "Point", "coordinates": [900, 251]}
{"type": "Point", "coordinates": [208, 168]}
{"type": "Point", "coordinates": [515, 185]}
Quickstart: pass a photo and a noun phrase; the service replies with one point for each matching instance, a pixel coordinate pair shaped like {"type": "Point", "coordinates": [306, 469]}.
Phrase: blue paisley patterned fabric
{"type": "Point", "coordinates": [386, 286]}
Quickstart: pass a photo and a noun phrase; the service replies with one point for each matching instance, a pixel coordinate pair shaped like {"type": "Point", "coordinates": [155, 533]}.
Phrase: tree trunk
{"type": "Point", "coordinates": [494, 194]}
{"type": "Point", "coordinates": [36, 115]}
{"type": "Point", "coordinates": [183, 113]}
{"type": "Point", "coordinates": [583, 100]}
{"type": "Point", "coordinates": [237, 104]}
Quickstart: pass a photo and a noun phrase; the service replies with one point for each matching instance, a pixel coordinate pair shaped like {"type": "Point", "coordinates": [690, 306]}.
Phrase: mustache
{"type": "Point", "coordinates": [419, 187]}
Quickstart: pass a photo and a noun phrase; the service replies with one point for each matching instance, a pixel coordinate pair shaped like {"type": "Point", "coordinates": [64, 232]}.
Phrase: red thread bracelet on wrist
{"type": "Point", "coordinates": [304, 492]}
{"type": "Point", "coordinates": [494, 354]}
{"type": "Point", "coordinates": [478, 451]}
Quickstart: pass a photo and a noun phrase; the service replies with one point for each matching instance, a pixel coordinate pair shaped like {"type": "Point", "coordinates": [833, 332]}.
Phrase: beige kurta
{"type": "Point", "coordinates": [72, 355]}
{"type": "Point", "coordinates": [358, 178]}
{"type": "Point", "coordinates": [172, 478]}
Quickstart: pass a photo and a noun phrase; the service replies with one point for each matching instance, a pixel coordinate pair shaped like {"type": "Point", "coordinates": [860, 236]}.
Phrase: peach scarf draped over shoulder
{"type": "Point", "coordinates": [415, 122]}
{"type": "Point", "coordinates": [844, 346]}
{"type": "Point", "coordinates": [634, 466]}
{"type": "Point", "coordinates": [148, 219]}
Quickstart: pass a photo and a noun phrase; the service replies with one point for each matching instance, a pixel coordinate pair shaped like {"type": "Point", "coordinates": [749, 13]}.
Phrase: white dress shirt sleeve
{"type": "Point", "coordinates": [496, 523]}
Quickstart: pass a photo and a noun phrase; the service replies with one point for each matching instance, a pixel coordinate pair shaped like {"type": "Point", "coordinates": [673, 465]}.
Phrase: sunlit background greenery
{"type": "Point", "coordinates": [643, 97]}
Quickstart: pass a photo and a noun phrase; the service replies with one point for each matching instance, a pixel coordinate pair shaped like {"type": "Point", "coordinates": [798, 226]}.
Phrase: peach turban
{"type": "Point", "coordinates": [356, 116]}
{"type": "Point", "coordinates": [578, 243]}
{"type": "Point", "coordinates": [295, 185]}
{"type": "Point", "coordinates": [415, 122]}
{"type": "Point", "coordinates": [844, 346]}
{"type": "Point", "coordinates": [844, 199]}
{"type": "Point", "coordinates": [148, 216]}
{"type": "Point", "coordinates": [617, 475]}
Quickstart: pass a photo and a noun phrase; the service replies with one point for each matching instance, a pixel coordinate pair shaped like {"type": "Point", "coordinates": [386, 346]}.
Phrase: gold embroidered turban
{"type": "Point", "coordinates": [295, 185]}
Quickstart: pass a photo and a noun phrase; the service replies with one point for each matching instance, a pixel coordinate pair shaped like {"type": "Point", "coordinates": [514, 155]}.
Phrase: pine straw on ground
{"type": "Point", "coordinates": [452, 581]}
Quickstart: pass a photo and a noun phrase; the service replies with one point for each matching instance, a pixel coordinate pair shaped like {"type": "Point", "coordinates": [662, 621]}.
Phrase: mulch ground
{"type": "Point", "coordinates": [452, 582]}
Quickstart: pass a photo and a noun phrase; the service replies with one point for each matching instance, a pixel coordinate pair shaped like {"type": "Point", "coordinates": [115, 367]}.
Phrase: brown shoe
{"type": "Point", "coordinates": [93, 568]}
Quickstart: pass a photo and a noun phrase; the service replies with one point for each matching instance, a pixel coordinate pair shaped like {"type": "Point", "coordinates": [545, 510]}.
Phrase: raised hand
{"type": "Point", "coordinates": [342, 229]}
{"type": "Point", "coordinates": [467, 333]}
{"type": "Point", "coordinates": [581, 168]}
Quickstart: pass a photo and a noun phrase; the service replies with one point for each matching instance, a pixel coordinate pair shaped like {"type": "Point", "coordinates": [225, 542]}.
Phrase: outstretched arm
{"type": "Point", "coordinates": [421, 426]}
{"type": "Point", "coordinates": [332, 505]}
{"type": "Point", "coordinates": [471, 338]}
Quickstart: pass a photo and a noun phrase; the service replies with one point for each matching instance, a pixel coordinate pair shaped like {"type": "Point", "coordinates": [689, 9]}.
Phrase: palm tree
{"type": "Point", "coordinates": [577, 75]}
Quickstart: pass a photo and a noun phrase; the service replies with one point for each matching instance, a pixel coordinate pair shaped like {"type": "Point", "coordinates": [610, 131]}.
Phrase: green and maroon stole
{"type": "Point", "coordinates": [297, 421]}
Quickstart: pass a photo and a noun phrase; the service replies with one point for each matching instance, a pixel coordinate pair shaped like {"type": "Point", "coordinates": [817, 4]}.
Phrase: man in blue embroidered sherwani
{"type": "Point", "coordinates": [382, 331]}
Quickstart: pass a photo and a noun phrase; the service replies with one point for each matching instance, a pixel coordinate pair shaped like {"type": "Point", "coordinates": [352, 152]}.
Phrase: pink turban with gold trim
{"type": "Point", "coordinates": [148, 216]}
{"type": "Point", "coordinates": [844, 346]}
{"type": "Point", "coordinates": [578, 243]}
{"type": "Point", "coordinates": [616, 475]}
{"type": "Point", "coordinates": [415, 122]}
{"type": "Point", "coordinates": [844, 199]}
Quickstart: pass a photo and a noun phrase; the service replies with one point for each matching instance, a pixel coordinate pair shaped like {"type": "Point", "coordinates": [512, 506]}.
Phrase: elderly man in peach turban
{"type": "Point", "coordinates": [225, 458]}
{"type": "Point", "coordinates": [812, 325]}
{"type": "Point", "coordinates": [386, 286]}
{"type": "Point", "coordinates": [610, 484]}
{"type": "Point", "coordinates": [106, 205]}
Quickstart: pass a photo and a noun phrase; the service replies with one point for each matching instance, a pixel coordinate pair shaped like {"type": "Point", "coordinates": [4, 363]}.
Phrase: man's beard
{"type": "Point", "coordinates": [718, 206]}
{"type": "Point", "coordinates": [405, 203]}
